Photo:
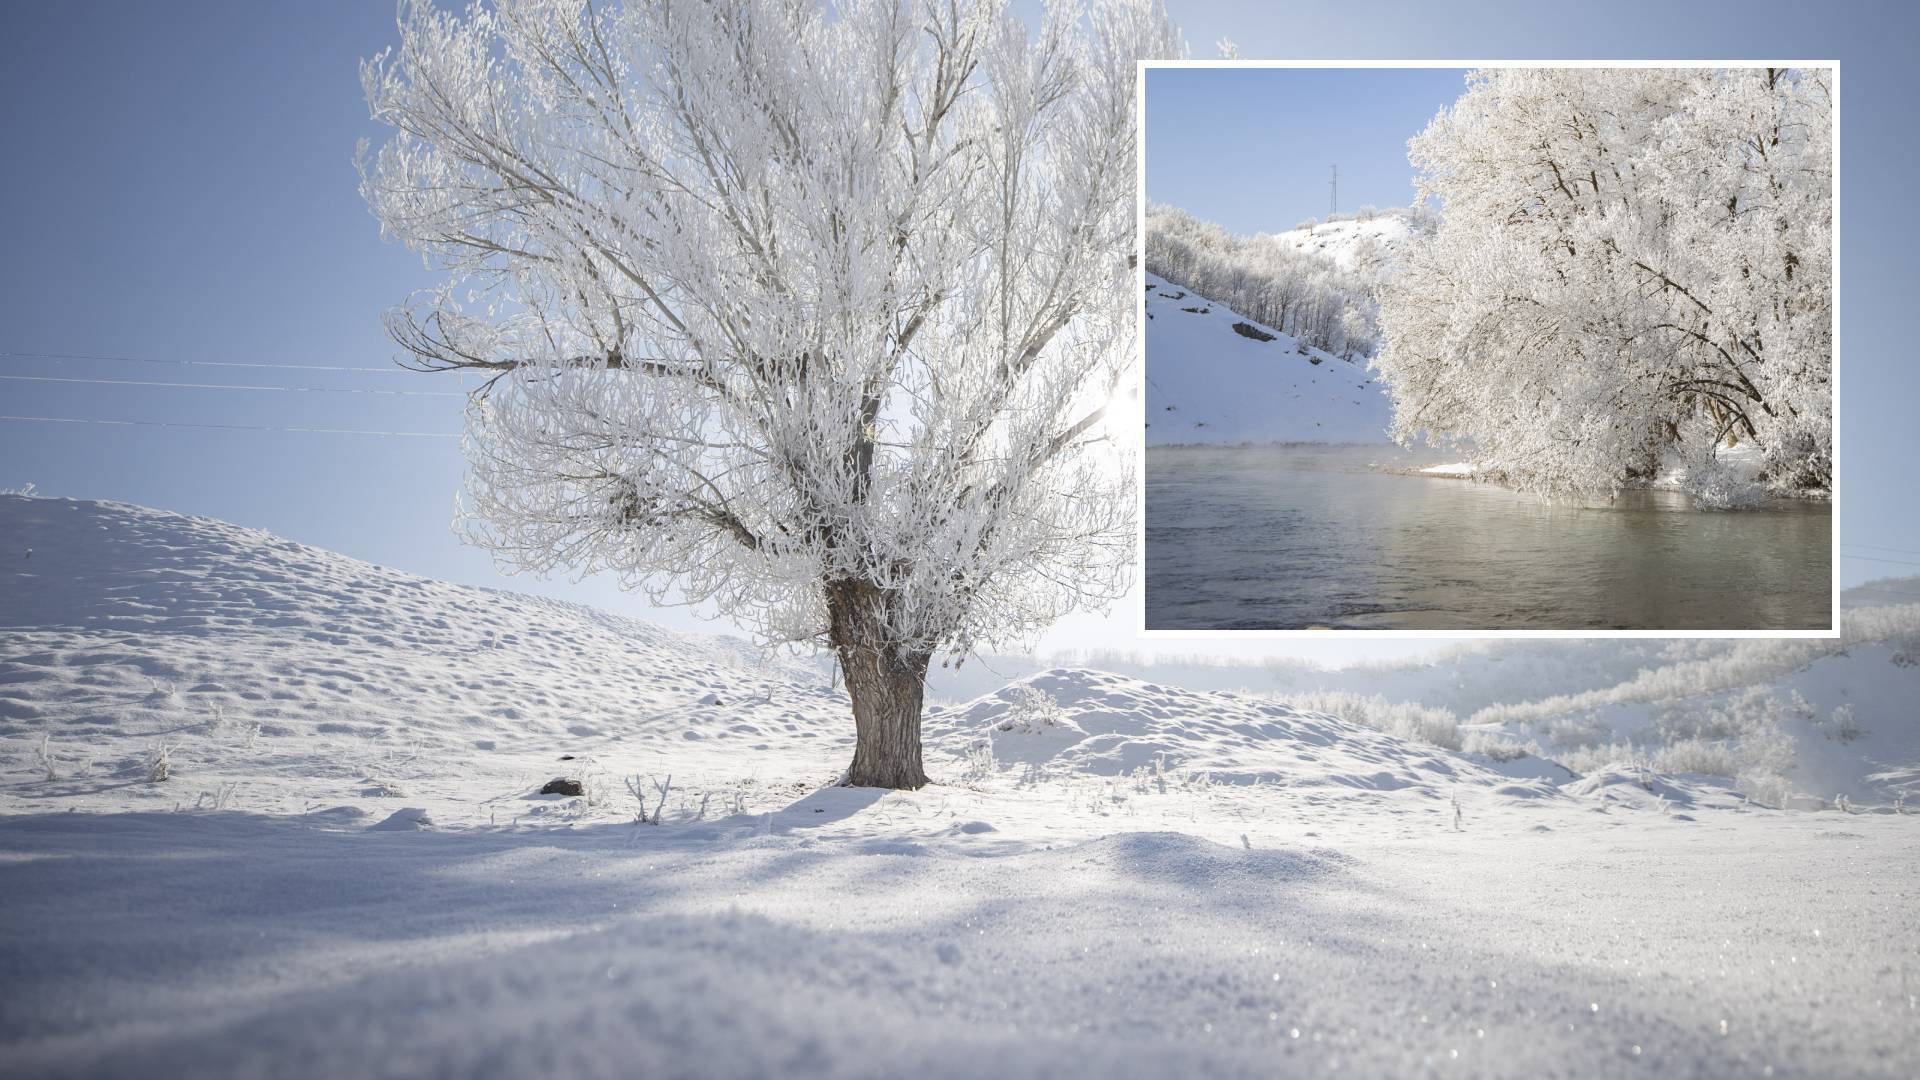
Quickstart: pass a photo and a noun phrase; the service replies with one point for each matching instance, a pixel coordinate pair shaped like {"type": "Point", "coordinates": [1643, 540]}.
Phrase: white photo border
{"type": "Point", "coordinates": [1141, 629]}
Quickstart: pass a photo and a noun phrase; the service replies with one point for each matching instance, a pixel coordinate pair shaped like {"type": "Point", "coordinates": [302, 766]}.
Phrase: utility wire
{"type": "Point", "coordinates": [227, 427]}
{"type": "Point", "coordinates": [232, 386]}
{"type": "Point", "coordinates": [1875, 558]}
{"type": "Point", "coordinates": [1883, 547]}
{"type": "Point", "coordinates": [396, 370]}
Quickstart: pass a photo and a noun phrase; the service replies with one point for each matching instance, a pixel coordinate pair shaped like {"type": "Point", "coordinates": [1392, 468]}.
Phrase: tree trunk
{"type": "Point", "coordinates": [887, 686]}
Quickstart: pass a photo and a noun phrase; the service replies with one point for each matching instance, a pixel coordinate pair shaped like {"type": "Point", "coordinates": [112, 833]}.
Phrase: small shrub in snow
{"type": "Point", "coordinates": [43, 757]}
{"type": "Point", "coordinates": [1702, 756]}
{"type": "Point", "coordinates": [977, 761]}
{"type": "Point", "coordinates": [1571, 732]}
{"type": "Point", "coordinates": [218, 799]}
{"type": "Point", "coordinates": [1498, 746]}
{"type": "Point", "coordinates": [1030, 708]}
{"type": "Point", "coordinates": [1248, 330]}
{"type": "Point", "coordinates": [637, 785]}
{"type": "Point", "coordinates": [1591, 759]}
{"type": "Point", "coordinates": [1801, 708]}
{"type": "Point", "coordinates": [159, 762]}
{"type": "Point", "coordinates": [1841, 726]}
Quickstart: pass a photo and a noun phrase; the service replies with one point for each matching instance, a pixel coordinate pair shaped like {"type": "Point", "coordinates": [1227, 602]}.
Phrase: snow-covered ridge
{"type": "Point", "coordinates": [292, 677]}
{"type": "Point", "coordinates": [1369, 246]}
{"type": "Point", "coordinates": [283, 677]}
{"type": "Point", "coordinates": [1117, 725]}
{"type": "Point", "coordinates": [1210, 381]}
{"type": "Point", "coordinates": [308, 677]}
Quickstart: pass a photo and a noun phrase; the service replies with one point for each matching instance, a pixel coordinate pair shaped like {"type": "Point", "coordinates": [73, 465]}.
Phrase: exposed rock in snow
{"type": "Point", "coordinates": [1210, 381]}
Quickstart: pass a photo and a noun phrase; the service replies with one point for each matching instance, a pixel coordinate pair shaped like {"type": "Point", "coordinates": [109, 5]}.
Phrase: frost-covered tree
{"type": "Point", "coordinates": [1632, 268]}
{"type": "Point", "coordinates": [1305, 294]}
{"type": "Point", "coordinates": [809, 314]}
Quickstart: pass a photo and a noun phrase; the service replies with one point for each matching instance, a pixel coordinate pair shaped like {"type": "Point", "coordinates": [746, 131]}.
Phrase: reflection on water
{"type": "Point", "coordinates": [1283, 537]}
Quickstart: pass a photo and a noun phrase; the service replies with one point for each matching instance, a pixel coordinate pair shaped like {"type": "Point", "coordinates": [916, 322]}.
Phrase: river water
{"type": "Point", "coordinates": [1295, 536]}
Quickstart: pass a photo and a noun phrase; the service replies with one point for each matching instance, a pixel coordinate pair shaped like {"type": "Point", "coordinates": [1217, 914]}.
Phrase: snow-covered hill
{"type": "Point", "coordinates": [347, 868]}
{"type": "Point", "coordinates": [1210, 383]}
{"type": "Point", "coordinates": [1370, 246]}
{"type": "Point", "coordinates": [281, 677]}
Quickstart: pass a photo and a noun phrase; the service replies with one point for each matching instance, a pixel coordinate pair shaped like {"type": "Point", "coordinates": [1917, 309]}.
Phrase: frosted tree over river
{"type": "Point", "coordinates": [1632, 270]}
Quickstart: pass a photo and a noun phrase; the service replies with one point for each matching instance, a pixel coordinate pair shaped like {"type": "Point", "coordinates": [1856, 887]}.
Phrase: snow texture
{"type": "Point", "coordinates": [1135, 880]}
{"type": "Point", "coordinates": [1207, 383]}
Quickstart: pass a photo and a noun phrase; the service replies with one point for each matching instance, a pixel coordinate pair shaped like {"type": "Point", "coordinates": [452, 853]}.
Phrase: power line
{"type": "Point", "coordinates": [210, 363]}
{"type": "Point", "coordinates": [1876, 558]}
{"type": "Point", "coordinates": [1883, 547]}
{"type": "Point", "coordinates": [226, 427]}
{"type": "Point", "coordinates": [231, 386]}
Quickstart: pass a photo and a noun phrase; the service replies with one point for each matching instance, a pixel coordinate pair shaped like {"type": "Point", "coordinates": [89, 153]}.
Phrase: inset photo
{"type": "Point", "coordinates": [1523, 349]}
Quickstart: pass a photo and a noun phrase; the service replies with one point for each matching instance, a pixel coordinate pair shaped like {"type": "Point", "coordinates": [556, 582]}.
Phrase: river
{"type": "Point", "coordinates": [1296, 536]}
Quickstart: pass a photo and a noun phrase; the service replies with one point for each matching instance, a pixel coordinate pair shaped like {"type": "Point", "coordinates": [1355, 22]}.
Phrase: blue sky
{"type": "Point", "coordinates": [178, 186]}
{"type": "Point", "coordinates": [1252, 148]}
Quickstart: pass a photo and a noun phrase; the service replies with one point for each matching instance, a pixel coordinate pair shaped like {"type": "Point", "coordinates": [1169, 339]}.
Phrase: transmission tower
{"type": "Point", "coordinates": [1333, 185]}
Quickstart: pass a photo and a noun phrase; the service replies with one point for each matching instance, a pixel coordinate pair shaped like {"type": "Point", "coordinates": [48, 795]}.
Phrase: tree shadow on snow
{"type": "Point", "coordinates": [232, 943]}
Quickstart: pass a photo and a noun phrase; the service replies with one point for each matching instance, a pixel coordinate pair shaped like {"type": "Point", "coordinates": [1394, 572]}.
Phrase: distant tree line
{"type": "Point", "coordinates": [1309, 296]}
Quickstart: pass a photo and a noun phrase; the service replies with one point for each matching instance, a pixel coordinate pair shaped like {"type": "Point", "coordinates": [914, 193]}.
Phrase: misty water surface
{"type": "Point", "coordinates": [1285, 537]}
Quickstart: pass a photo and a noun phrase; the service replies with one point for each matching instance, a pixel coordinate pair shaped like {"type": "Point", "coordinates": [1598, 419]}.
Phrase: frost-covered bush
{"type": "Point", "coordinates": [1767, 789]}
{"type": "Point", "coordinates": [1717, 484]}
{"type": "Point", "coordinates": [1498, 745]}
{"type": "Point", "coordinates": [43, 758]}
{"type": "Point", "coordinates": [1841, 725]}
{"type": "Point", "coordinates": [977, 763]}
{"type": "Point", "coordinates": [1571, 731]}
{"type": "Point", "coordinates": [159, 762]}
{"type": "Point", "coordinates": [1708, 757]}
{"type": "Point", "coordinates": [1589, 759]}
{"type": "Point", "coordinates": [1030, 709]}
{"type": "Point", "coordinates": [1406, 719]}
{"type": "Point", "coordinates": [1741, 713]}
{"type": "Point", "coordinates": [1709, 667]}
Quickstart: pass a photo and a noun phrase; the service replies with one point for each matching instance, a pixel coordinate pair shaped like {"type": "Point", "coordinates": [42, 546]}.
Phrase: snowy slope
{"type": "Point", "coordinates": [1110, 876]}
{"type": "Point", "coordinates": [1369, 246]}
{"type": "Point", "coordinates": [1810, 722]}
{"type": "Point", "coordinates": [1208, 384]}
{"type": "Point", "coordinates": [311, 679]}
{"type": "Point", "coordinates": [281, 678]}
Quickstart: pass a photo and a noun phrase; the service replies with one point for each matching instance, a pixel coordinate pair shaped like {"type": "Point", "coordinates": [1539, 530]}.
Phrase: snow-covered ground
{"type": "Point", "coordinates": [1109, 876]}
{"type": "Point", "coordinates": [1368, 246]}
{"type": "Point", "coordinates": [1207, 383]}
